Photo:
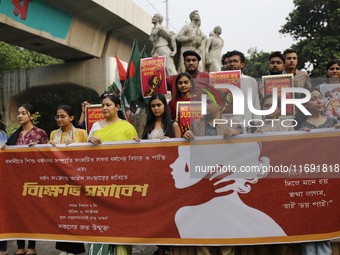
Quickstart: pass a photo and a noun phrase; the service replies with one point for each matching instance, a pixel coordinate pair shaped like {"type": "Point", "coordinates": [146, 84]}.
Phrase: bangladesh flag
{"type": "Point", "coordinates": [133, 88]}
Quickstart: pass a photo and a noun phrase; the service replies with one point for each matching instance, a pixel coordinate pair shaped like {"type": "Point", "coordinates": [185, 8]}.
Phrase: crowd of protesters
{"type": "Point", "coordinates": [161, 122]}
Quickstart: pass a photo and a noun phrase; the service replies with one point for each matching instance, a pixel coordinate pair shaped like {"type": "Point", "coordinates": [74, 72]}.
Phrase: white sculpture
{"type": "Point", "coordinates": [201, 51]}
{"type": "Point", "coordinates": [164, 43]}
{"type": "Point", "coordinates": [190, 37]}
{"type": "Point", "coordinates": [214, 47]}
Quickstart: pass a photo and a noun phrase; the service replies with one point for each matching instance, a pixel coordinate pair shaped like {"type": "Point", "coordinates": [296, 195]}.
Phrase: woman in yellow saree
{"type": "Point", "coordinates": [112, 128]}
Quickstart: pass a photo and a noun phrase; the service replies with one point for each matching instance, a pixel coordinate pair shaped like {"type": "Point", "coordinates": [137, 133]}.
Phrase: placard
{"type": "Point", "coordinates": [93, 113]}
{"type": "Point", "coordinates": [280, 81]}
{"type": "Point", "coordinates": [331, 97]}
{"type": "Point", "coordinates": [230, 78]}
{"type": "Point", "coordinates": [186, 113]}
{"type": "Point", "coordinates": [153, 77]}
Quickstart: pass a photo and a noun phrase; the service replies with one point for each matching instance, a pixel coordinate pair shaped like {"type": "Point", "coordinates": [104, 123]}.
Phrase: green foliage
{"type": "Point", "coordinates": [256, 63]}
{"type": "Point", "coordinates": [11, 128]}
{"type": "Point", "coordinates": [48, 103]}
{"type": "Point", "coordinates": [36, 117]}
{"type": "Point", "coordinates": [315, 23]}
{"type": "Point", "coordinates": [14, 57]}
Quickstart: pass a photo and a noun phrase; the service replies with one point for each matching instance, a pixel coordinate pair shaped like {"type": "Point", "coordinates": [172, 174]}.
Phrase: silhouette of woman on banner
{"type": "Point", "coordinates": [225, 216]}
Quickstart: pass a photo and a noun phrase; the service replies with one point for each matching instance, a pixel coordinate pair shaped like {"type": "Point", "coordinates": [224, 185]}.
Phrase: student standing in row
{"type": "Point", "coordinates": [67, 134]}
{"type": "Point", "coordinates": [112, 128]}
{"type": "Point", "coordinates": [26, 134]}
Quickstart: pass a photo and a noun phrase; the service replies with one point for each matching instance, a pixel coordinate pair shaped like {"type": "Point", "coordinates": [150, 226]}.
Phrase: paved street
{"type": "Point", "coordinates": [48, 248]}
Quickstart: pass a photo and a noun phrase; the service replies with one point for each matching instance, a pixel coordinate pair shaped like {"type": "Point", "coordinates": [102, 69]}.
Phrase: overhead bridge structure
{"type": "Point", "coordinates": [84, 33]}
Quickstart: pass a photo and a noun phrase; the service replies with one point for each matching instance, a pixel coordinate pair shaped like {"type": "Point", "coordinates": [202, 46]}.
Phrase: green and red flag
{"type": "Point", "coordinates": [120, 70]}
{"type": "Point", "coordinates": [132, 87]}
{"type": "Point", "coordinates": [120, 74]}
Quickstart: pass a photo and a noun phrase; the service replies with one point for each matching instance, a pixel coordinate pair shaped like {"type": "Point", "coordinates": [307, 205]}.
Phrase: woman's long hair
{"type": "Point", "coordinates": [115, 99]}
{"type": "Point", "coordinates": [14, 137]}
{"type": "Point", "coordinates": [151, 118]}
{"type": "Point", "coordinates": [300, 117]}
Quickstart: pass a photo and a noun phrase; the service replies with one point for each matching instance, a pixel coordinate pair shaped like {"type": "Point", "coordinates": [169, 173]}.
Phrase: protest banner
{"type": "Point", "coordinates": [230, 78]}
{"type": "Point", "coordinates": [153, 78]}
{"type": "Point", "coordinates": [186, 113]}
{"type": "Point", "coordinates": [280, 81]}
{"type": "Point", "coordinates": [128, 192]}
{"type": "Point", "coordinates": [93, 113]}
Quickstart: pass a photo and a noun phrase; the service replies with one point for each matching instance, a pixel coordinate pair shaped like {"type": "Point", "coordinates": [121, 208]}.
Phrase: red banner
{"type": "Point", "coordinates": [281, 189]}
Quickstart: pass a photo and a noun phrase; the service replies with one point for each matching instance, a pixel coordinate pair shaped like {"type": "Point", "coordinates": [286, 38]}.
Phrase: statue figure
{"type": "Point", "coordinates": [201, 51]}
{"type": "Point", "coordinates": [164, 44]}
{"type": "Point", "coordinates": [214, 47]}
{"type": "Point", "coordinates": [190, 37]}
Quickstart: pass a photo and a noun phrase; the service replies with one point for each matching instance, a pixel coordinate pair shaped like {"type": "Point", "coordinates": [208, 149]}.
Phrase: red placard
{"type": "Point", "coordinates": [228, 78]}
{"type": "Point", "coordinates": [186, 113]}
{"type": "Point", "coordinates": [152, 71]}
{"type": "Point", "coordinates": [280, 81]}
{"type": "Point", "coordinates": [225, 77]}
{"type": "Point", "coordinates": [93, 114]}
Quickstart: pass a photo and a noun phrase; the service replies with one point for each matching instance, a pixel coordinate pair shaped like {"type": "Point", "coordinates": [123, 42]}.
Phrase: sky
{"type": "Point", "coordinates": [245, 23]}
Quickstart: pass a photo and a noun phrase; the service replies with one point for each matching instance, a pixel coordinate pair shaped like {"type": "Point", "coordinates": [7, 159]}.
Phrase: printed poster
{"type": "Point", "coordinates": [331, 97]}
{"type": "Point", "coordinates": [186, 113]}
{"type": "Point", "coordinates": [226, 77]}
{"type": "Point", "coordinates": [93, 113]}
{"type": "Point", "coordinates": [153, 77]}
{"type": "Point", "coordinates": [280, 81]}
{"type": "Point", "coordinates": [159, 193]}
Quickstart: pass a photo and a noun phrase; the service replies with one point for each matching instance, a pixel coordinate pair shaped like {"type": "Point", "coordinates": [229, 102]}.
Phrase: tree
{"type": "Point", "coordinates": [14, 57]}
{"type": "Point", "coordinates": [315, 23]}
{"type": "Point", "coordinates": [48, 103]}
{"type": "Point", "coordinates": [256, 63]}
